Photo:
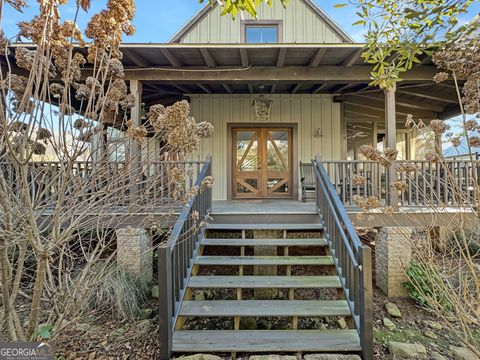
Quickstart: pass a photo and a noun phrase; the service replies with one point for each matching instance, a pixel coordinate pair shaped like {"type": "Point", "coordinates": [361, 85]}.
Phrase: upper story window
{"type": "Point", "coordinates": [262, 32]}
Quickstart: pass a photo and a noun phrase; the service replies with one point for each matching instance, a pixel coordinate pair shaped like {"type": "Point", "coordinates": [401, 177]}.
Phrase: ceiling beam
{"type": "Point", "coordinates": [350, 61]}
{"type": "Point", "coordinates": [318, 88]}
{"type": "Point", "coordinates": [262, 74]}
{"type": "Point", "coordinates": [407, 103]}
{"type": "Point", "coordinates": [317, 58]}
{"type": "Point", "coordinates": [208, 58]}
{"type": "Point", "coordinates": [137, 59]}
{"type": "Point", "coordinates": [339, 88]}
{"type": "Point", "coordinates": [281, 57]}
{"type": "Point", "coordinates": [244, 57]}
{"type": "Point", "coordinates": [376, 105]}
{"type": "Point", "coordinates": [182, 88]}
{"type": "Point", "coordinates": [227, 88]}
{"type": "Point", "coordinates": [204, 88]}
{"type": "Point", "coordinates": [363, 112]}
{"type": "Point", "coordinates": [295, 88]}
{"type": "Point", "coordinates": [429, 95]}
{"type": "Point", "coordinates": [172, 59]}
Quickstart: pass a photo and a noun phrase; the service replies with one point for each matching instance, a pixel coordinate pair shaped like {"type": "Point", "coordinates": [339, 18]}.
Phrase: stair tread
{"type": "Point", "coordinates": [264, 242]}
{"type": "Point", "coordinates": [264, 260]}
{"type": "Point", "coordinates": [265, 340]}
{"type": "Point", "coordinates": [265, 308]}
{"type": "Point", "coordinates": [259, 282]}
{"type": "Point", "coordinates": [311, 226]}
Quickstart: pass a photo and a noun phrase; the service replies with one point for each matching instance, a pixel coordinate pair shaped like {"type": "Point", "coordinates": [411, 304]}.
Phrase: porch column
{"type": "Point", "coordinates": [134, 148]}
{"type": "Point", "coordinates": [391, 137]}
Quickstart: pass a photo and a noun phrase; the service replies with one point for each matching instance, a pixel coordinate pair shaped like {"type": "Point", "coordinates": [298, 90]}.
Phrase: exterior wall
{"type": "Point", "coordinates": [300, 25]}
{"type": "Point", "coordinates": [306, 112]}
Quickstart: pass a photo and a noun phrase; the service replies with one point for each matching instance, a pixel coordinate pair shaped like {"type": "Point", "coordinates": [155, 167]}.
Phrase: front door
{"type": "Point", "coordinates": [262, 163]}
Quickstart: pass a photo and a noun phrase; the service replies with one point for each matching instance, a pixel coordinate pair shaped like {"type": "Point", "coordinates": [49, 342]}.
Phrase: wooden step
{"type": "Point", "coordinates": [288, 308]}
{"type": "Point", "coordinates": [267, 282]}
{"type": "Point", "coordinates": [264, 242]}
{"type": "Point", "coordinates": [264, 260]}
{"type": "Point", "coordinates": [312, 226]}
{"type": "Point", "coordinates": [266, 341]}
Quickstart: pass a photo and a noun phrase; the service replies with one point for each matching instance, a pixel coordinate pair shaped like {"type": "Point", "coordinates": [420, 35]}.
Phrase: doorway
{"type": "Point", "coordinates": [262, 163]}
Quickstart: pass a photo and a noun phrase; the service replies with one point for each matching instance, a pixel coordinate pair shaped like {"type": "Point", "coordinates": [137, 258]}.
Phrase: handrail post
{"type": "Point", "coordinates": [366, 314]}
{"type": "Point", "coordinates": [166, 299]}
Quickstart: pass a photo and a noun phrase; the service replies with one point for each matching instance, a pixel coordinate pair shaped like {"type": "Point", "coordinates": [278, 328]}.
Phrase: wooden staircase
{"type": "Point", "coordinates": [331, 280]}
{"type": "Point", "coordinates": [294, 339]}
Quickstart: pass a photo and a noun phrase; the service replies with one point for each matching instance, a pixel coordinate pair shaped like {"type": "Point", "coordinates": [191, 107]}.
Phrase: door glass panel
{"type": "Point", "coordinates": [247, 151]}
{"type": "Point", "coordinates": [247, 186]}
{"type": "Point", "coordinates": [277, 150]}
{"type": "Point", "coordinates": [278, 185]}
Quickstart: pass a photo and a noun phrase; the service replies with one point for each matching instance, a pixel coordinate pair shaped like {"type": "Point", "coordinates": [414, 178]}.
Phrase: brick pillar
{"type": "Point", "coordinates": [134, 252]}
{"type": "Point", "coordinates": [393, 253]}
{"type": "Point", "coordinates": [265, 270]}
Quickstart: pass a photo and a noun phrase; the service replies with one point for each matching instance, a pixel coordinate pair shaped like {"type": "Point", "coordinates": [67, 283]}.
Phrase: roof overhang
{"type": "Point", "coordinates": [170, 72]}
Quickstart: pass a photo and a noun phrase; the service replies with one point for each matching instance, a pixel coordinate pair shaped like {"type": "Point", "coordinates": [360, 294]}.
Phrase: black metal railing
{"type": "Point", "coordinates": [352, 258]}
{"type": "Point", "coordinates": [444, 183]}
{"type": "Point", "coordinates": [175, 257]}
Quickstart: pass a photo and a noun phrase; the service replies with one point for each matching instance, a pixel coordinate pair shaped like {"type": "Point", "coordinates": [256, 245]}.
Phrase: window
{"type": "Point", "coordinates": [261, 34]}
{"type": "Point", "coordinates": [261, 31]}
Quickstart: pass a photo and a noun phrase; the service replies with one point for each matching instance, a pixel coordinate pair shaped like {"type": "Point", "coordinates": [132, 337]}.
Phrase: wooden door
{"type": "Point", "coordinates": [262, 159]}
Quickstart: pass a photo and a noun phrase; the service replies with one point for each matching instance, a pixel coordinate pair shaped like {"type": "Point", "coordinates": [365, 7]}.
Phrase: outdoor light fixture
{"type": "Point", "coordinates": [262, 105]}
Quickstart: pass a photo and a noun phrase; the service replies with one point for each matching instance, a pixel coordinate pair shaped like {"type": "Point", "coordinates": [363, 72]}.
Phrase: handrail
{"type": "Point", "coordinates": [352, 258]}
{"type": "Point", "coordinates": [450, 182]}
{"type": "Point", "coordinates": [176, 255]}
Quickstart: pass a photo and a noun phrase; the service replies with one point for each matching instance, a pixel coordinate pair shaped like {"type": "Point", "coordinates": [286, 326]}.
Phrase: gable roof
{"type": "Point", "coordinates": [200, 15]}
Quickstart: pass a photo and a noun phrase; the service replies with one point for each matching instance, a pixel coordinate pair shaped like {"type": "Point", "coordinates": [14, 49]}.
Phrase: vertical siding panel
{"type": "Point", "coordinates": [327, 127]}
{"type": "Point", "coordinates": [336, 131]}
{"type": "Point", "coordinates": [317, 115]}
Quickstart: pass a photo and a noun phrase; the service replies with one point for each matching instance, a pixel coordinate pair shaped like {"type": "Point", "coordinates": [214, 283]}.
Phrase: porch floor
{"type": "Point", "coordinates": [264, 207]}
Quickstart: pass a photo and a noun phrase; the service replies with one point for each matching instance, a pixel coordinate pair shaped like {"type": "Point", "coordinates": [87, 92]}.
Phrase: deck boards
{"type": "Point", "coordinates": [266, 340]}
{"type": "Point", "coordinates": [264, 242]}
{"type": "Point", "coordinates": [266, 282]}
{"type": "Point", "coordinates": [265, 226]}
{"type": "Point", "coordinates": [264, 260]}
{"type": "Point", "coordinates": [265, 308]}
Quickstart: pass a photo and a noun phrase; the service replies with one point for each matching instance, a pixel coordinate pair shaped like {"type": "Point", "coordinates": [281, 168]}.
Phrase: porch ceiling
{"type": "Point", "coordinates": [170, 72]}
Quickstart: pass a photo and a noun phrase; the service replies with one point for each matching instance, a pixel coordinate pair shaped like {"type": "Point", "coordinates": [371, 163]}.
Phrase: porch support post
{"type": "Point", "coordinates": [391, 137]}
{"type": "Point", "coordinates": [134, 151]}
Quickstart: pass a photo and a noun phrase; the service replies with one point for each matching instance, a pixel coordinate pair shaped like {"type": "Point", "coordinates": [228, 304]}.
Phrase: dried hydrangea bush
{"type": "Point", "coordinates": [62, 170]}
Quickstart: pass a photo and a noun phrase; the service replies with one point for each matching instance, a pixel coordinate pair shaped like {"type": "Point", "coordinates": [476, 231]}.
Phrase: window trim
{"type": "Point", "coordinates": [261, 23]}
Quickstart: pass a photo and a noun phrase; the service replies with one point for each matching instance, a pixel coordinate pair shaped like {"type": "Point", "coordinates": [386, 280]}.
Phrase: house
{"type": "Point", "coordinates": [279, 90]}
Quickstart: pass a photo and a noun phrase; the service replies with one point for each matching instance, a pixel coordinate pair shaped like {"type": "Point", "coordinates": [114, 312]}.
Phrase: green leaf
{"type": "Point", "coordinates": [338, 6]}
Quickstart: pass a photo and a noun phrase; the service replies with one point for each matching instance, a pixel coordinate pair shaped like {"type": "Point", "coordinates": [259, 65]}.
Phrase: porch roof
{"type": "Point", "coordinates": [170, 72]}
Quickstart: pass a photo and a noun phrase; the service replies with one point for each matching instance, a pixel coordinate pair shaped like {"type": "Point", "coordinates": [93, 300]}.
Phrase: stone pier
{"type": "Point", "coordinates": [134, 252]}
{"type": "Point", "coordinates": [393, 253]}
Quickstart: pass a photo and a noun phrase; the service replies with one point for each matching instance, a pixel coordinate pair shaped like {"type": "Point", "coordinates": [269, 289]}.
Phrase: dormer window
{"type": "Point", "coordinates": [262, 31]}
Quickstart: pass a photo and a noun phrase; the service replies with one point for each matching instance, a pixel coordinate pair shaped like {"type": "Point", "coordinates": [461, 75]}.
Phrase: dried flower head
{"type": "Point", "coordinates": [81, 124]}
{"type": "Point", "coordinates": [18, 126]}
{"type": "Point", "coordinates": [38, 148]}
{"type": "Point", "coordinates": [204, 129]}
{"type": "Point", "coordinates": [56, 90]}
{"type": "Point", "coordinates": [456, 141]}
{"type": "Point", "coordinates": [471, 125]}
{"type": "Point", "coordinates": [391, 154]}
{"type": "Point", "coordinates": [438, 126]}
{"type": "Point", "coordinates": [432, 157]}
{"type": "Point", "coordinates": [128, 101]}
{"type": "Point", "coordinates": [399, 186]}
{"type": "Point", "coordinates": [407, 167]}
{"type": "Point", "coordinates": [440, 77]}
{"type": "Point", "coordinates": [474, 141]}
{"type": "Point", "coordinates": [370, 153]}
{"type": "Point", "coordinates": [366, 204]}
{"type": "Point", "coordinates": [137, 133]}
{"type": "Point", "coordinates": [358, 180]}
{"type": "Point", "coordinates": [43, 134]}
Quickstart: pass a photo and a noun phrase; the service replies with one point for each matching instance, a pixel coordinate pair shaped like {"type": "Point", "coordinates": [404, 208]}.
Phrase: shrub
{"type": "Point", "coordinates": [426, 286]}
